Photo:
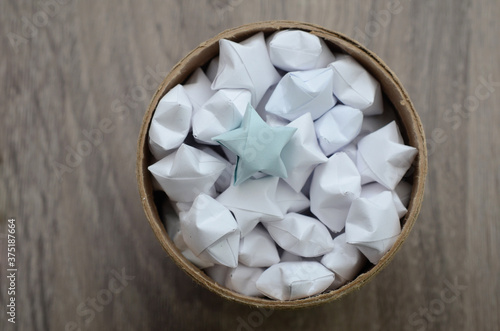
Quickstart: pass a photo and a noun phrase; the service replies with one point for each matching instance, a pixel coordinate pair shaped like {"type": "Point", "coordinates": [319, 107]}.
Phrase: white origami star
{"type": "Point", "coordinates": [383, 156]}
{"type": "Point", "coordinates": [373, 225]}
{"type": "Point", "coordinates": [372, 189]}
{"type": "Point", "coordinates": [302, 153]}
{"type": "Point", "coordinates": [252, 201]}
{"type": "Point", "coordinates": [294, 50]}
{"type": "Point", "coordinates": [170, 123]}
{"type": "Point", "coordinates": [300, 92]}
{"type": "Point", "coordinates": [294, 280]}
{"type": "Point", "coordinates": [246, 65]}
{"type": "Point", "coordinates": [356, 87]}
{"type": "Point", "coordinates": [301, 235]}
{"type": "Point", "coordinates": [221, 113]}
{"type": "Point", "coordinates": [243, 280]}
{"type": "Point", "coordinates": [257, 249]}
{"type": "Point", "coordinates": [186, 173]}
{"type": "Point", "coordinates": [198, 89]}
{"type": "Point", "coordinates": [338, 127]}
{"type": "Point", "coordinates": [211, 232]}
{"type": "Point", "coordinates": [334, 186]}
{"type": "Point", "coordinates": [345, 260]}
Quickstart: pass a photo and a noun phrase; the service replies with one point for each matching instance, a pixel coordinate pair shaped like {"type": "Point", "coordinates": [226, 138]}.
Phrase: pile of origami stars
{"type": "Point", "coordinates": [283, 169]}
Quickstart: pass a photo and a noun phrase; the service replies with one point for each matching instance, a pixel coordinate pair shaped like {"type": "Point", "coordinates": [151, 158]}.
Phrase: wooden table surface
{"type": "Point", "coordinates": [75, 80]}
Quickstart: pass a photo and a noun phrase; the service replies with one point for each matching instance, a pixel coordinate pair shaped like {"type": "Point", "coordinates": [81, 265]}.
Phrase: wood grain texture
{"type": "Point", "coordinates": [88, 69]}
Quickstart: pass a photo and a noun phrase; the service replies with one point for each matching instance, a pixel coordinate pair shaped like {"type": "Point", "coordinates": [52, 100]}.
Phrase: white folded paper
{"type": "Point", "coordinates": [197, 260]}
{"type": "Point", "coordinates": [290, 201]}
{"type": "Point", "coordinates": [243, 280]}
{"type": "Point", "coordinates": [293, 50]}
{"type": "Point", "coordinates": [301, 235]}
{"type": "Point", "coordinates": [294, 280]}
{"type": "Point", "coordinates": [356, 87]}
{"type": "Point", "coordinates": [345, 260]}
{"type": "Point", "coordinates": [373, 189]}
{"type": "Point", "coordinates": [186, 173]}
{"type": "Point", "coordinates": [351, 149]}
{"type": "Point", "coordinates": [252, 201]}
{"type": "Point", "coordinates": [302, 153]}
{"type": "Point", "coordinates": [287, 256]}
{"type": "Point", "coordinates": [226, 177]}
{"type": "Point", "coordinates": [257, 249]}
{"type": "Point", "coordinates": [273, 120]}
{"type": "Point", "coordinates": [300, 92]}
{"type": "Point", "coordinates": [334, 186]}
{"type": "Point", "coordinates": [370, 125]}
{"type": "Point", "coordinates": [326, 57]}
{"type": "Point", "coordinates": [173, 226]}
{"type": "Point", "coordinates": [383, 156]}
{"type": "Point", "coordinates": [198, 89]}
{"type": "Point", "coordinates": [338, 127]}
{"type": "Point", "coordinates": [246, 65]}
{"type": "Point", "coordinates": [211, 232]}
{"type": "Point", "coordinates": [170, 123]}
{"type": "Point", "coordinates": [212, 68]}
{"type": "Point", "coordinates": [373, 225]}
{"type": "Point", "coordinates": [221, 113]}
{"type": "Point", "coordinates": [218, 273]}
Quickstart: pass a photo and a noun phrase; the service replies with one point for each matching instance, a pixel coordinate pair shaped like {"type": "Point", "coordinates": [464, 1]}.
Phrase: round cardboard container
{"type": "Point", "coordinates": [408, 121]}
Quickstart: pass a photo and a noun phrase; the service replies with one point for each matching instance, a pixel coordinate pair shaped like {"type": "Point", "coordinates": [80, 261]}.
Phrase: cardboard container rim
{"type": "Point", "coordinates": [391, 87]}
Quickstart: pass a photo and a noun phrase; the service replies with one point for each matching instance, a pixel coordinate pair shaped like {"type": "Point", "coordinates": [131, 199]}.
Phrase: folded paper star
{"type": "Point", "coordinates": [334, 186]}
{"type": "Point", "coordinates": [246, 65]}
{"type": "Point", "coordinates": [257, 145]}
{"type": "Point", "coordinates": [242, 279]}
{"type": "Point", "coordinates": [383, 156]}
{"type": "Point", "coordinates": [173, 224]}
{"type": "Point", "coordinates": [345, 260]}
{"type": "Point", "coordinates": [218, 273]}
{"type": "Point", "coordinates": [293, 50]}
{"type": "Point", "coordinates": [253, 201]}
{"type": "Point", "coordinates": [294, 280]}
{"type": "Point", "coordinates": [257, 249]}
{"type": "Point", "coordinates": [186, 173]}
{"type": "Point", "coordinates": [301, 235]}
{"type": "Point", "coordinates": [226, 177]}
{"type": "Point", "coordinates": [373, 225]}
{"type": "Point", "coordinates": [338, 127]}
{"type": "Point", "coordinates": [370, 190]}
{"type": "Point", "coordinates": [171, 122]}
{"type": "Point", "coordinates": [211, 232]}
{"type": "Point", "coordinates": [302, 154]}
{"type": "Point", "coordinates": [198, 89]}
{"type": "Point", "coordinates": [356, 87]}
{"type": "Point", "coordinates": [300, 92]}
{"type": "Point", "coordinates": [221, 113]}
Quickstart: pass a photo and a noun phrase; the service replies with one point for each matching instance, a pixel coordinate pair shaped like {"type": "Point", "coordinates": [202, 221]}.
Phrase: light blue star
{"type": "Point", "coordinates": [257, 145]}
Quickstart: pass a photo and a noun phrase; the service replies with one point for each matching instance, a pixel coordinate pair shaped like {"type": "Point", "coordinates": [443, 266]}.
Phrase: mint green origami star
{"type": "Point", "coordinates": [257, 145]}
